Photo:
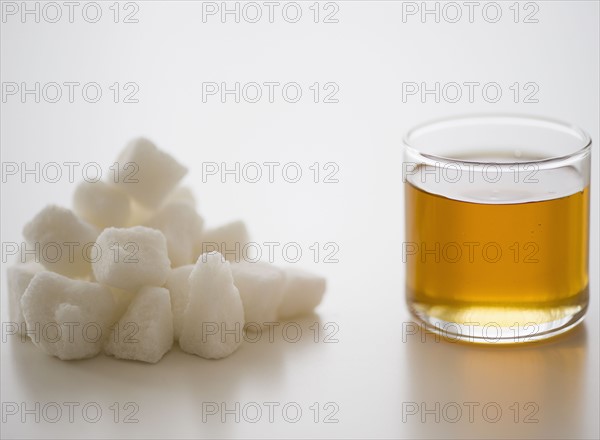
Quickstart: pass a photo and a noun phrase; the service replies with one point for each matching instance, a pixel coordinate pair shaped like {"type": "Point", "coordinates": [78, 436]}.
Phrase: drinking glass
{"type": "Point", "coordinates": [497, 226]}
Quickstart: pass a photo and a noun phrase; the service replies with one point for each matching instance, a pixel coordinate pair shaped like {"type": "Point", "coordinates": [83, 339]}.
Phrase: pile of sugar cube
{"type": "Point", "coordinates": [127, 272]}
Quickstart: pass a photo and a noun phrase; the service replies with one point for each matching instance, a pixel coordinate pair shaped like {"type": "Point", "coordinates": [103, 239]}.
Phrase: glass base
{"type": "Point", "coordinates": [485, 324]}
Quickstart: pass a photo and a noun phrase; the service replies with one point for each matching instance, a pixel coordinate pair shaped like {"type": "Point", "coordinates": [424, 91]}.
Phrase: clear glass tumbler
{"type": "Point", "coordinates": [497, 226]}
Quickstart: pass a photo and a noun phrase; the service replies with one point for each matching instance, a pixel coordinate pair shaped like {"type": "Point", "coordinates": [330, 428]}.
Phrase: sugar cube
{"type": "Point", "coordinates": [122, 300]}
{"type": "Point", "coordinates": [131, 258]}
{"type": "Point", "coordinates": [101, 204]}
{"type": "Point", "coordinates": [182, 194]}
{"type": "Point", "coordinates": [182, 227]}
{"type": "Point", "coordinates": [65, 242]}
{"type": "Point", "coordinates": [213, 319]}
{"type": "Point", "coordinates": [18, 277]}
{"type": "Point", "coordinates": [145, 331]}
{"type": "Point", "coordinates": [302, 293]}
{"type": "Point", "coordinates": [139, 214]}
{"type": "Point", "coordinates": [67, 318]}
{"type": "Point", "coordinates": [146, 173]}
{"type": "Point", "coordinates": [179, 287]}
{"type": "Point", "coordinates": [229, 240]}
{"type": "Point", "coordinates": [261, 289]}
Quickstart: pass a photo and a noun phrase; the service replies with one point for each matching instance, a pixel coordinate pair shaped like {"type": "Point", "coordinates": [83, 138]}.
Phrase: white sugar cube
{"type": "Point", "coordinates": [132, 258]}
{"type": "Point", "coordinates": [139, 214]}
{"type": "Point", "coordinates": [65, 242]}
{"type": "Point", "coordinates": [302, 293]}
{"type": "Point", "coordinates": [261, 289]}
{"type": "Point", "coordinates": [229, 240]}
{"type": "Point", "coordinates": [101, 204]}
{"type": "Point", "coordinates": [146, 173]}
{"type": "Point", "coordinates": [18, 277]}
{"type": "Point", "coordinates": [182, 227]}
{"type": "Point", "coordinates": [182, 194]}
{"type": "Point", "coordinates": [145, 331]}
{"type": "Point", "coordinates": [67, 318]}
{"type": "Point", "coordinates": [122, 300]}
{"type": "Point", "coordinates": [179, 287]}
{"type": "Point", "coordinates": [213, 320]}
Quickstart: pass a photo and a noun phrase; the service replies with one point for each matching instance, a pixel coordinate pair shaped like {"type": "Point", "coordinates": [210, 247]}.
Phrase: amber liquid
{"type": "Point", "coordinates": [506, 264]}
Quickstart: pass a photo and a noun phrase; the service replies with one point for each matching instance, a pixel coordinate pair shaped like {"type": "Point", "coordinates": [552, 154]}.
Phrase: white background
{"type": "Point", "coordinates": [375, 367]}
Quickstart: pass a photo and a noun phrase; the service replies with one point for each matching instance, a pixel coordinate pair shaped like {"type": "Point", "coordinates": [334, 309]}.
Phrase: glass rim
{"type": "Point", "coordinates": [577, 132]}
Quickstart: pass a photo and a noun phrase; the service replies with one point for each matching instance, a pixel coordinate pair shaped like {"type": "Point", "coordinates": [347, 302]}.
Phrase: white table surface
{"type": "Point", "coordinates": [373, 371]}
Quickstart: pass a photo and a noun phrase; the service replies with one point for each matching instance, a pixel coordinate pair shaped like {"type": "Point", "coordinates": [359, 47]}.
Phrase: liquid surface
{"type": "Point", "coordinates": [516, 263]}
